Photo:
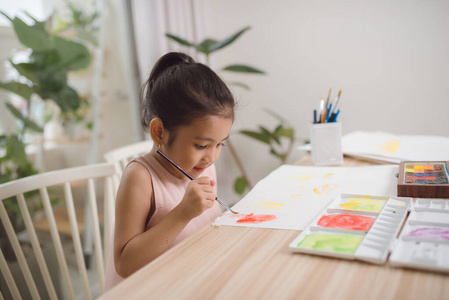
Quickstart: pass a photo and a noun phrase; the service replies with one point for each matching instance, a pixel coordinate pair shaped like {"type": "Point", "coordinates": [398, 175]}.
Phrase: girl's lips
{"type": "Point", "coordinates": [199, 170]}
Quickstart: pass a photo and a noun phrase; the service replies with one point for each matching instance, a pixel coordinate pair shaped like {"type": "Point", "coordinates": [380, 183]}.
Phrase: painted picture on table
{"type": "Point", "coordinates": [292, 196]}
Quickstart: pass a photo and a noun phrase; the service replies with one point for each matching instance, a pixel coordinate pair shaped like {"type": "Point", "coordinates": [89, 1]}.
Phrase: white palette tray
{"type": "Point", "coordinates": [362, 227]}
{"type": "Point", "coordinates": [424, 240]}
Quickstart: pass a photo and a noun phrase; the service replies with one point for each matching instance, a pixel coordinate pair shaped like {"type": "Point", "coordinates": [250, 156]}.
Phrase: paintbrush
{"type": "Point", "coordinates": [191, 178]}
{"type": "Point", "coordinates": [334, 107]}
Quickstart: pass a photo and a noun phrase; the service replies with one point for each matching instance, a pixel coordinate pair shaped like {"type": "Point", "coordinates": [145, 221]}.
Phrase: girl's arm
{"type": "Point", "coordinates": [133, 246]}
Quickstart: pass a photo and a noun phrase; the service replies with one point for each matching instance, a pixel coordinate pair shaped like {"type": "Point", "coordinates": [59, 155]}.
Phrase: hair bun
{"type": "Point", "coordinates": [167, 61]}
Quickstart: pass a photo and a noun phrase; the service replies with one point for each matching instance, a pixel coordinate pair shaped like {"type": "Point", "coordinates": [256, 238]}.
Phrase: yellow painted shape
{"type": "Point", "coordinates": [390, 147]}
{"type": "Point", "coordinates": [410, 170]}
{"type": "Point", "coordinates": [364, 203]}
{"type": "Point", "coordinates": [325, 189]}
{"type": "Point", "coordinates": [328, 175]}
{"type": "Point", "coordinates": [295, 195]}
{"type": "Point", "coordinates": [269, 205]}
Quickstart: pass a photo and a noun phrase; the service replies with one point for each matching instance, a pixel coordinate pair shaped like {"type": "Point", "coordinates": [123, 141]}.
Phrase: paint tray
{"type": "Point", "coordinates": [424, 240]}
{"type": "Point", "coordinates": [358, 227]}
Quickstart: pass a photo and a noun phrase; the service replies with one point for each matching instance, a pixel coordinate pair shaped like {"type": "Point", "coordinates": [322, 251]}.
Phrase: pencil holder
{"type": "Point", "coordinates": [325, 140]}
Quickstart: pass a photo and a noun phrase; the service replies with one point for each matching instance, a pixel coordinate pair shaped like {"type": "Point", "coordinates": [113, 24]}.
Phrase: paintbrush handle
{"type": "Point", "coordinates": [175, 165]}
{"type": "Point", "coordinates": [191, 178]}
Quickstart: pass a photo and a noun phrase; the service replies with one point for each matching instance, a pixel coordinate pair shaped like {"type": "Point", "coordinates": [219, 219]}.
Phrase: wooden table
{"type": "Point", "coordinates": [229, 262]}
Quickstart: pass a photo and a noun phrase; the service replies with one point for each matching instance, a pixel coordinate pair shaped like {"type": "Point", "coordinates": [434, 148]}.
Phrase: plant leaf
{"type": "Point", "coordinates": [227, 41]}
{"type": "Point", "coordinates": [74, 56]}
{"type": "Point", "coordinates": [33, 37]}
{"type": "Point", "coordinates": [240, 185]}
{"type": "Point", "coordinates": [39, 24]}
{"type": "Point", "coordinates": [180, 40]}
{"type": "Point", "coordinates": [287, 132]}
{"type": "Point", "coordinates": [281, 156]}
{"type": "Point", "coordinates": [26, 70]}
{"type": "Point", "coordinates": [21, 89]}
{"type": "Point", "coordinates": [15, 150]}
{"type": "Point", "coordinates": [67, 99]}
{"type": "Point", "coordinates": [205, 46]}
{"type": "Point", "coordinates": [270, 134]}
{"type": "Point", "coordinates": [243, 69]}
{"type": "Point", "coordinates": [264, 138]}
{"type": "Point", "coordinates": [27, 123]}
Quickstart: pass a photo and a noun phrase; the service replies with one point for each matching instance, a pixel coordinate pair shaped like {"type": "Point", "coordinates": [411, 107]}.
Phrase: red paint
{"type": "Point", "coordinates": [346, 221]}
{"type": "Point", "coordinates": [255, 219]}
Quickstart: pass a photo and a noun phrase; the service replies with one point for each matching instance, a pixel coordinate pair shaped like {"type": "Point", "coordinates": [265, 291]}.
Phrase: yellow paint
{"type": "Point", "coordinates": [300, 187]}
{"type": "Point", "coordinates": [325, 189]}
{"type": "Point", "coordinates": [295, 195]}
{"type": "Point", "coordinates": [269, 205]}
{"type": "Point", "coordinates": [364, 203]}
{"type": "Point", "coordinates": [390, 147]}
{"type": "Point", "coordinates": [328, 175]}
{"type": "Point", "coordinates": [410, 170]}
{"type": "Point", "coordinates": [419, 168]}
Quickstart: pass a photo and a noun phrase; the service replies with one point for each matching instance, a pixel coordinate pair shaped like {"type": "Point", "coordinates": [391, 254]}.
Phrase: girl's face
{"type": "Point", "coordinates": [197, 146]}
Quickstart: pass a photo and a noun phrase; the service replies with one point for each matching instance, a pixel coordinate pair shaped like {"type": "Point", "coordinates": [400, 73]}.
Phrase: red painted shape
{"type": "Point", "coordinates": [254, 219]}
{"type": "Point", "coordinates": [346, 221]}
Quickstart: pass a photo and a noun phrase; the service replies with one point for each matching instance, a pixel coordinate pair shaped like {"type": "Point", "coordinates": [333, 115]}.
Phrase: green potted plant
{"type": "Point", "coordinates": [45, 71]}
{"type": "Point", "coordinates": [273, 138]}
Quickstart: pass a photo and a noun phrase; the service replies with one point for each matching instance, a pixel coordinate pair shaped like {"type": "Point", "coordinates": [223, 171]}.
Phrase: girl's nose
{"type": "Point", "coordinates": [212, 154]}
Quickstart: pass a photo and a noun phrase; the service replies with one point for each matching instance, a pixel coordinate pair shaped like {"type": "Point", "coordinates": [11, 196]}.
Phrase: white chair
{"type": "Point", "coordinates": [121, 156]}
{"type": "Point", "coordinates": [88, 178]}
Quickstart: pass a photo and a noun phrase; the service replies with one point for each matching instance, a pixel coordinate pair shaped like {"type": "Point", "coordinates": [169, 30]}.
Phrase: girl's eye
{"type": "Point", "coordinates": [200, 147]}
{"type": "Point", "coordinates": [220, 145]}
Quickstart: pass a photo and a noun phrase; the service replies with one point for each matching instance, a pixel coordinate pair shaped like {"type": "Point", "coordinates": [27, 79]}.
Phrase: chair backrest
{"type": "Point", "coordinates": [65, 182]}
{"type": "Point", "coordinates": [121, 156]}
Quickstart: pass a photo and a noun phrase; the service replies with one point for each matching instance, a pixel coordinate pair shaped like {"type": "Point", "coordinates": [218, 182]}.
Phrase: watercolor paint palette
{"type": "Point", "coordinates": [423, 179]}
{"type": "Point", "coordinates": [358, 227]}
{"type": "Point", "coordinates": [424, 240]}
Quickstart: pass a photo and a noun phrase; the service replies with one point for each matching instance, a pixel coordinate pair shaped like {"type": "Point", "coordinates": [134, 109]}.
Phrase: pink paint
{"type": "Point", "coordinates": [346, 221]}
{"type": "Point", "coordinates": [432, 233]}
{"type": "Point", "coordinates": [255, 219]}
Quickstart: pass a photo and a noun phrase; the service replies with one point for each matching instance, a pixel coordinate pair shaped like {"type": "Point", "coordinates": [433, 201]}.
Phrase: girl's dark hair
{"type": "Point", "coordinates": [180, 90]}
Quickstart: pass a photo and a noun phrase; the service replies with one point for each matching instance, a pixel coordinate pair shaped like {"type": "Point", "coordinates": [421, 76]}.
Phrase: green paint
{"type": "Point", "coordinates": [331, 242]}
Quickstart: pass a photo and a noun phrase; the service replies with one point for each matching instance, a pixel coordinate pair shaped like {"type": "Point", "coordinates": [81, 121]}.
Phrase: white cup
{"type": "Point", "coordinates": [325, 140]}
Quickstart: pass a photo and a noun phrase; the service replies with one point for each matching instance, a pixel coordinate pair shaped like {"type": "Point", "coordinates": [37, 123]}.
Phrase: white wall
{"type": "Point", "coordinates": [390, 58]}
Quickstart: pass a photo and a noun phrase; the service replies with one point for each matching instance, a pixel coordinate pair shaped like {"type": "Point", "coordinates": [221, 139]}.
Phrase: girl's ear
{"type": "Point", "coordinates": [157, 131]}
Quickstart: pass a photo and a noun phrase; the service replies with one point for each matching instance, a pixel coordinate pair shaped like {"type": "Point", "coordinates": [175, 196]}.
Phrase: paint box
{"type": "Point", "coordinates": [361, 227]}
{"type": "Point", "coordinates": [421, 179]}
{"type": "Point", "coordinates": [424, 240]}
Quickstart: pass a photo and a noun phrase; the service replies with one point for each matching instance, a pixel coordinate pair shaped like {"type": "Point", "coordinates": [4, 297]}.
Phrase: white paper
{"type": "Point", "coordinates": [390, 148]}
{"type": "Point", "coordinates": [295, 195]}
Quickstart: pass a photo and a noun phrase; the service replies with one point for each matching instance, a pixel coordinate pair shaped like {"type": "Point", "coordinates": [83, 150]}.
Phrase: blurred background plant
{"type": "Point", "coordinates": [274, 138]}
{"type": "Point", "coordinates": [41, 76]}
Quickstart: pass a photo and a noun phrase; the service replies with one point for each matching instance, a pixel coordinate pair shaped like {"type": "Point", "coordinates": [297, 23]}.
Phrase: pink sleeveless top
{"type": "Point", "coordinates": [168, 193]}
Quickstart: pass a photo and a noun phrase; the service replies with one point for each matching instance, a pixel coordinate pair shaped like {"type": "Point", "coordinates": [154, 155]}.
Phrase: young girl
{"type": "Point", "coordinates": [188, 111]}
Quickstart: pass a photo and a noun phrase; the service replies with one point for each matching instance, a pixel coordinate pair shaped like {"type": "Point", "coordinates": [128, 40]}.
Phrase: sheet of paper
{"type": "Point", "coordinates": [401, 147]}
{"type": "Point", "coordinates": [292, 196]}
{"type": "Point", "coordinates": [390, 148]}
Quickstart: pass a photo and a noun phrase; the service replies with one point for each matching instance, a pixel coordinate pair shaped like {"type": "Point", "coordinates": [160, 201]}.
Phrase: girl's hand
{"type": "Point", "coordinates": [198, 197]}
